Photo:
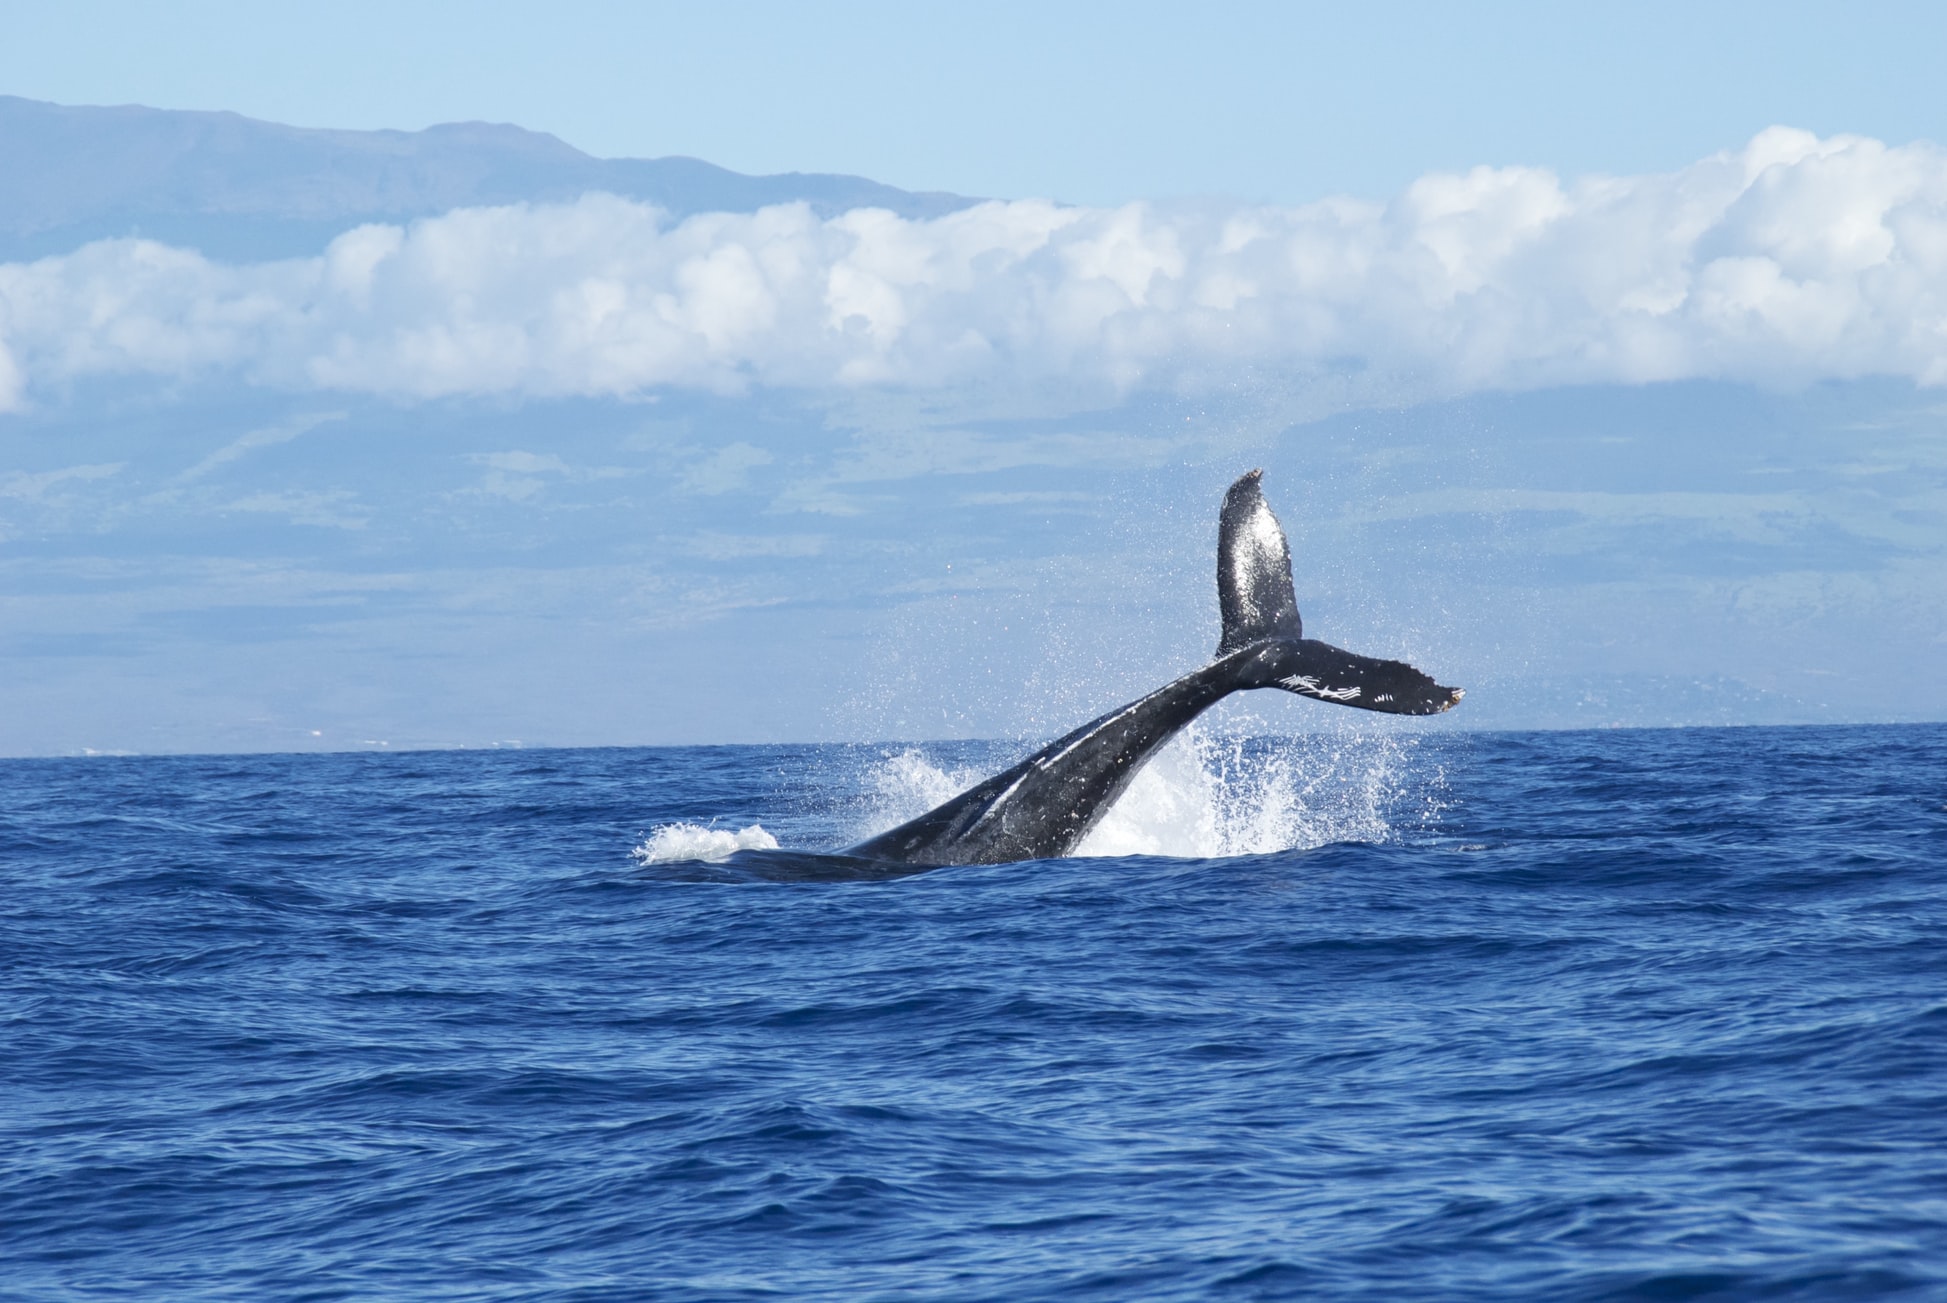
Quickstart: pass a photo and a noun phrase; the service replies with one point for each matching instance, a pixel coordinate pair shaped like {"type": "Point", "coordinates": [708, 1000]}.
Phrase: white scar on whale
{"type": "Point", "coordinates": [1307, 684]}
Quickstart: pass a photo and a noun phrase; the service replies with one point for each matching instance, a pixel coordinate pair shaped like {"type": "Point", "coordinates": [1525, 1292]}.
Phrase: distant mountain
{"type": "Point", "coordinates": [239, 189]}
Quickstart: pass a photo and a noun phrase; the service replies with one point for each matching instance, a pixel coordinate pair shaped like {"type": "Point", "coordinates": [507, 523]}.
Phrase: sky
{"type": "Point", "coordinates": [1084, 102]}
{"type": "Point", "coordinates": [1597, 364]}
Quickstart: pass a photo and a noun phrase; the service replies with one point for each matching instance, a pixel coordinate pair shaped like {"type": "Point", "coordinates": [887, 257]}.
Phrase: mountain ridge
{"type": "Point", "coordinates": [239, 188]}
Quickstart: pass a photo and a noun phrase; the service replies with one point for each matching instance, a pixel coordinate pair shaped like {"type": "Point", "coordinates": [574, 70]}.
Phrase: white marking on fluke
{"type": "Point", "coordinates": [1306, 683]}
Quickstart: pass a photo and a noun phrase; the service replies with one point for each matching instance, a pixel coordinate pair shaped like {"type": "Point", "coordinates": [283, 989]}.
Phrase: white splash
{"type": "Point", "coordinates": [676, 842]}
{"type": "Point", "coordinates": [1206, 796]}
{"type": "Point", "coordinates": [907, 785]}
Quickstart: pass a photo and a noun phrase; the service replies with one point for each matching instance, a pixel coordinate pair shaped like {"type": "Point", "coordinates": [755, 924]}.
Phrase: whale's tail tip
{"type": "Point", "coordinates": [1254, 588]}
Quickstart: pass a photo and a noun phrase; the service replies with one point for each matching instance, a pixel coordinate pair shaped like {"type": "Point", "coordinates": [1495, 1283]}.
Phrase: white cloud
{"type": "Point", "coordinates": [1792, 259]}
{"type": "Point", "coordinates": [724, 470]}
{"type": "Point", "coordinates": [267, 437]}
{"type": "Point", "coordinates": [335, 510]}
{"type": "Point", "coordinates": [34, 487]}
{"type": "Point", "coordinates": [517, 475]}
{"type": "Point", "coordinates": [11, 381]}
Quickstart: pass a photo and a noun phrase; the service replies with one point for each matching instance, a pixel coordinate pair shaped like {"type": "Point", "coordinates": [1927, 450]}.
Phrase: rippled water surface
{"type": "Point", "coordinates": [1563, 1016]}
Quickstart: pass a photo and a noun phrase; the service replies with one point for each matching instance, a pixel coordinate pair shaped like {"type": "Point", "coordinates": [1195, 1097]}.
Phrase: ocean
{"type": "Point", "coordinates": [1651, 1014]}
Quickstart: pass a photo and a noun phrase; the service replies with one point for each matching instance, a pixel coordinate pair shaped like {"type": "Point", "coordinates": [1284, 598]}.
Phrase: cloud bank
{"type": "Point", "coordinates": [1792, 259]}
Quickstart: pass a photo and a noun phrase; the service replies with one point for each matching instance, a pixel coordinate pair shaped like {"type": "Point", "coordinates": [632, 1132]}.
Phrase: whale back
{"type": "Point", "coordinates": [1254, 589]}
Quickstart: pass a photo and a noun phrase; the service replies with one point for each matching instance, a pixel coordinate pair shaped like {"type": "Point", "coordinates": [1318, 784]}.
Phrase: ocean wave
{"type": "Point", "coordinates": [1602, 1015]}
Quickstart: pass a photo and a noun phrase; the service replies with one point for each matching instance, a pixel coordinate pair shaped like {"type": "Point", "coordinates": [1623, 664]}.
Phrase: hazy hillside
{"type": "Point", "coordinates": [237, 188]}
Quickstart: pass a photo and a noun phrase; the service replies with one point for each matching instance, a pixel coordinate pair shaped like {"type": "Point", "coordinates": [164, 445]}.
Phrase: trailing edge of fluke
{"type": "Point", "coordinates": [1045, 805]}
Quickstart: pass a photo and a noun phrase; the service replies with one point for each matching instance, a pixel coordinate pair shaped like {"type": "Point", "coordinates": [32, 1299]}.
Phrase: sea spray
{"type": "Point", "coordinates": [906, 784]}
{"type": "Point", "coordinates": [679, 842]}
{"type": "Point", "coordinates": [1208, 794]}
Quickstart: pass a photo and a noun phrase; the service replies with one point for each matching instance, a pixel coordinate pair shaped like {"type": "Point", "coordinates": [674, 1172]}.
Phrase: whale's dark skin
{"type": "Point", "coordinates": [1044, 806]}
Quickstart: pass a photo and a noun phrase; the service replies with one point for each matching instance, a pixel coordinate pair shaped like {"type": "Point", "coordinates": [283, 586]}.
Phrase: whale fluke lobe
{"type": "Point", "coordinates": [1326, 673]}
{"type": "Point", "coordinates": [1254, 590]}
{"type": "Point", "coordinates": [1046, 804]}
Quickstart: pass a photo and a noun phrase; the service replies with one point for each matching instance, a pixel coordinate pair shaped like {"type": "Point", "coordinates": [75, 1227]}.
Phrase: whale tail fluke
{"type": "Point", "coordinates": [1045, 804]}
{"type": "Point", "coordinates": [1253, 570]}
{"type": "Point", "coordinates": [1326, 673]}
{"type": "Point", "coordinates": [1260, 611]}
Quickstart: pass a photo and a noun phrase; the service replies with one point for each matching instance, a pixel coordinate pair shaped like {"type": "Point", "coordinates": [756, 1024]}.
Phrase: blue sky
{"type": "Point", "coordinates": [1094, 103]}
{"type": "Point", "coordinates": [1596, 364]}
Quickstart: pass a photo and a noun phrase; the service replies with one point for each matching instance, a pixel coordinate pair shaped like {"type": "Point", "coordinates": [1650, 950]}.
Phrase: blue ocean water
{"type": "Point", "coordinates": [1616, 1015]}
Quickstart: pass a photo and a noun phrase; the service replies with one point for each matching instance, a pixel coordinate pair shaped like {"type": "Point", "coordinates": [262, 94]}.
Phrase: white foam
{"type": "Point", "coordinates": [675, 842]}
{"type": "Point", "coordinates": [1206, 796]}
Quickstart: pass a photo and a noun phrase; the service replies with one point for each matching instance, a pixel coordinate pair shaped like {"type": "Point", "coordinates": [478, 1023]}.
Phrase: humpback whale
{"type": "Point", "coordinates": [1044, 806]}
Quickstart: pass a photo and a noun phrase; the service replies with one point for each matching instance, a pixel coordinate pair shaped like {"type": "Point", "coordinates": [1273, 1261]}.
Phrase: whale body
{"type": "Point", "coordinates": [1044, 806]}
